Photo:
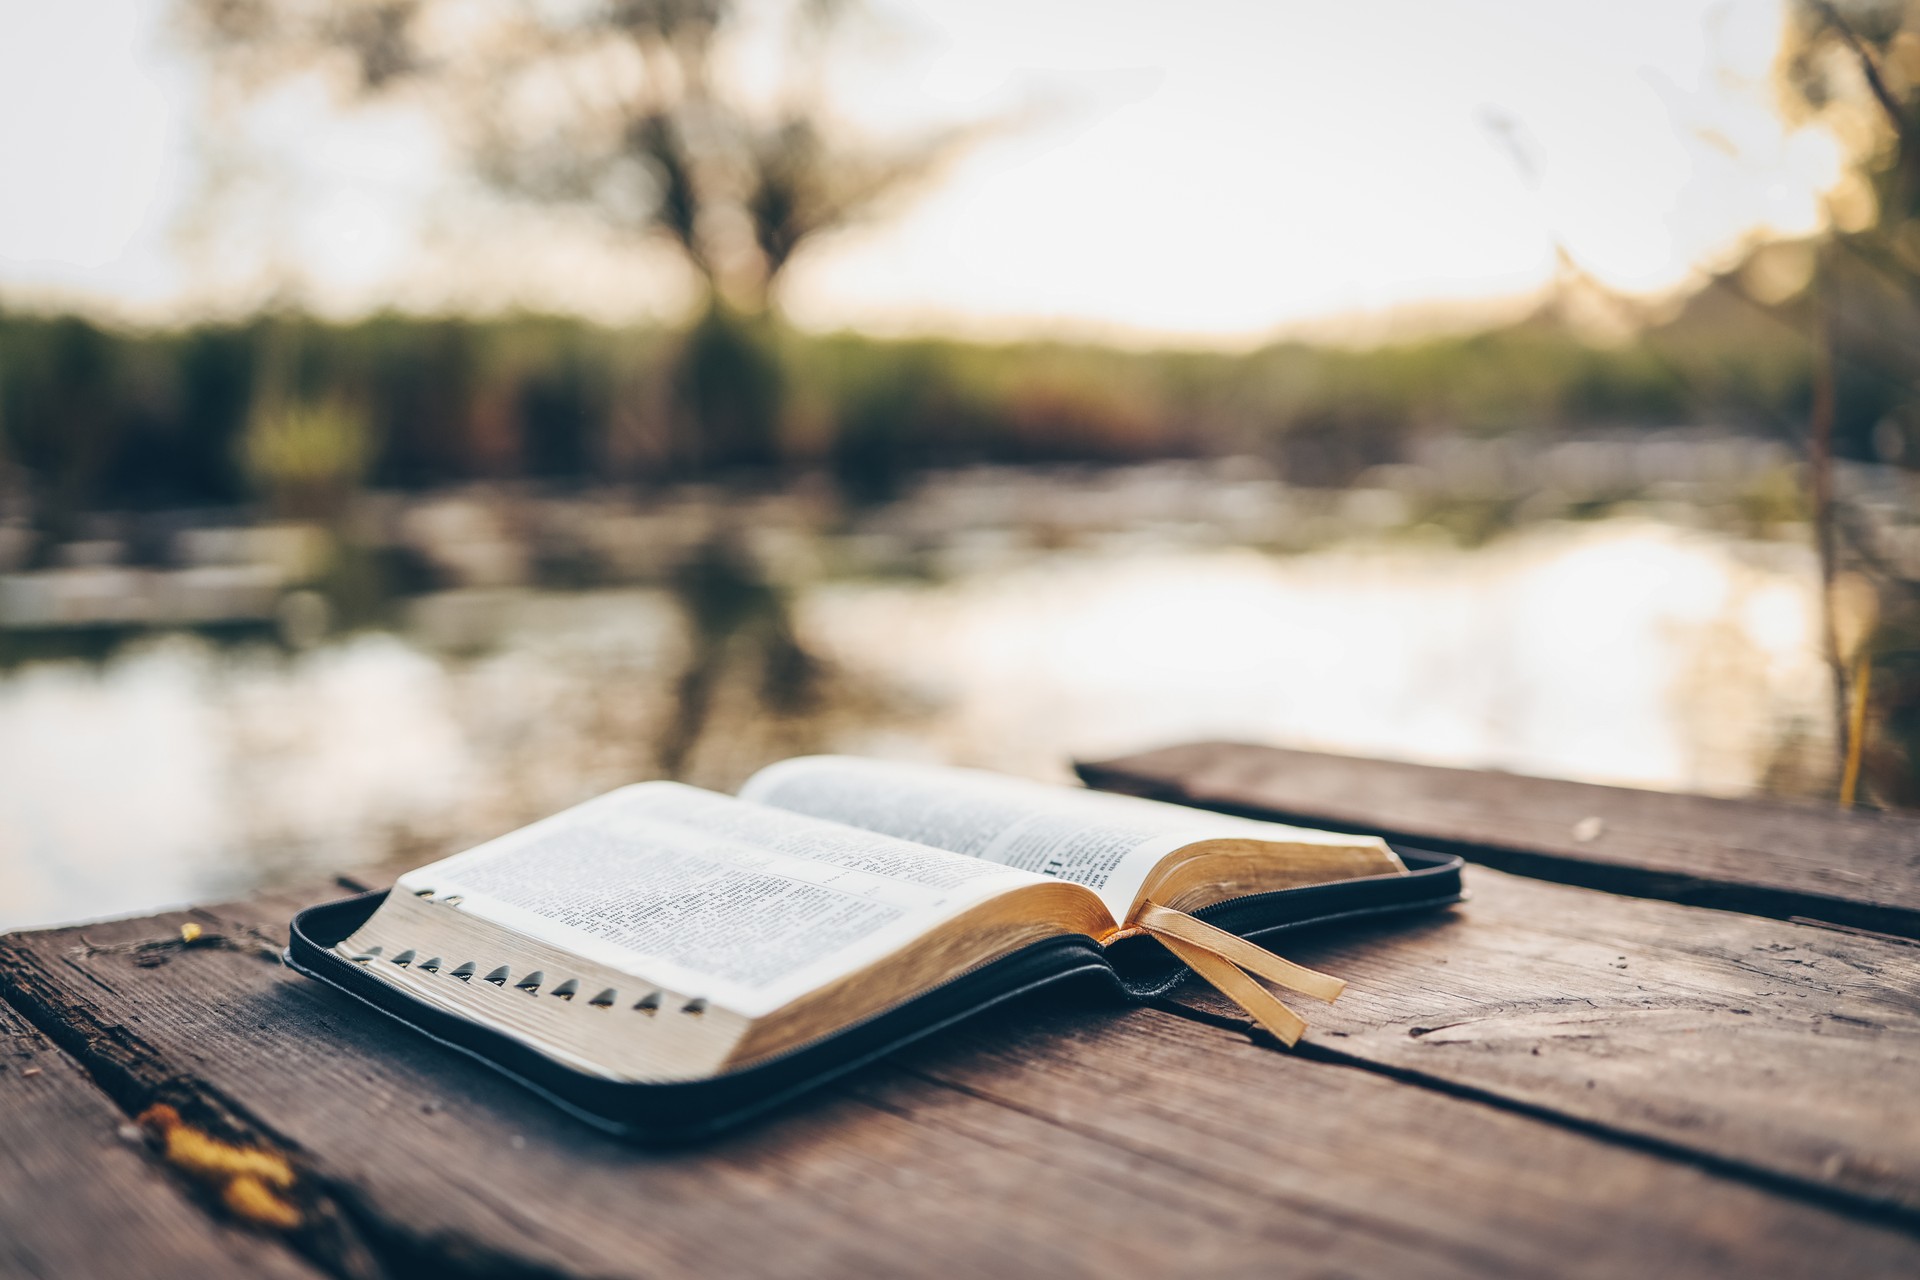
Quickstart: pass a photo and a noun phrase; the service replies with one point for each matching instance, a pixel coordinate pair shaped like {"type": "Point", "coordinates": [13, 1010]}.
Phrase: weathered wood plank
{"type": "Point", "coordinates": [1477, 1185]}
{"type": "Point", "coordinates": [1082, 1141]}
{"type": "Point", "coordinates": [79, 1199]}
{"type": "Point", "coordinates": [1856, 868]}
{"type": "Point", "coordinates": [1791, 1049]}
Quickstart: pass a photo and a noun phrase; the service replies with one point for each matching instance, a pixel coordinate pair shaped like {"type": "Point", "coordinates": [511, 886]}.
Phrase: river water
{"type": "Point", "coordinates": [1625, 650]}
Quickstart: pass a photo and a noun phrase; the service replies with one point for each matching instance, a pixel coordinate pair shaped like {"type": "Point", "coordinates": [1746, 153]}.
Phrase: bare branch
{"type": "Point", "coordinates": [1869, 65]}
{"type": "Point", "coordinates": [568, 105]}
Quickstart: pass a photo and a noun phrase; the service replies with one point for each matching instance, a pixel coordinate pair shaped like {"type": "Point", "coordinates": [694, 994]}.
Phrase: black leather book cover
{"type": "Point", "coordinates": [1131, 969]}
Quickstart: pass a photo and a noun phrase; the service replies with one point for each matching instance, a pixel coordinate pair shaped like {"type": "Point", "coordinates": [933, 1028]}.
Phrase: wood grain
{"type": "Point", "coordinates": [81, 1199]}
{"type": "Point", "coordinates": [1060, 1140]}
{"type": "Point", "coordinates": [1486, 1190]}
{"type": "Point", "coordinates": [1857, 868]}
{"type": "Point", "coordinates": [1789, 1049]}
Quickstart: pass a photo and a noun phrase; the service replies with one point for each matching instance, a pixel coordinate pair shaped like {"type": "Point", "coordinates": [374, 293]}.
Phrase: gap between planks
{"type": "Point", "coordinates": [1110, 1138]}
{"type": "Point", "coordinates": [70, 1162]}
{"type": "Point", "coordinates": [132, 1075]}
{"type": "Point", "coordinates": [1758, 1176]}
{"type": "Point", "coordinates": [339, 1233]}
{"type": "Point", "coordinates": [1775, 1048]}
{"type": "Point", "coordinates": [1859, 869]}
{"type": "Point", "coordinates": [397, 1242]}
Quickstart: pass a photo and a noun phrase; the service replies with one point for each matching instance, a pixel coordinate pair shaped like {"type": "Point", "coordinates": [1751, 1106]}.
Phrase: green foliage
{"type": "Point", "coordinates": [318, 445]}
{"type": "Point", "coordinates": [94, 417]}
{"type": "Point", "coordinates": [729, 391]}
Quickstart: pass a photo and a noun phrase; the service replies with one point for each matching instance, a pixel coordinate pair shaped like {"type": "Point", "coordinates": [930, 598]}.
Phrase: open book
{"type": "Point", "coordinates": [662, 934]}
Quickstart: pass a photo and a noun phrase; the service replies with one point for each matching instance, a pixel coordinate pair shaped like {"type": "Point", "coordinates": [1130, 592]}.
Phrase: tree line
{"type": "Point", "coordinates": [291, 408]}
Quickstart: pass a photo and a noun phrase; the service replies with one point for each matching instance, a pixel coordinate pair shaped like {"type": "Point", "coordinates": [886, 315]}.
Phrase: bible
{"type": "Point", "coordinates": [664, 960]}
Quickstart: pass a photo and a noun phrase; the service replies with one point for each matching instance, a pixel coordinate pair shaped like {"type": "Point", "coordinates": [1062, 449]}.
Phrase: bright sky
{"type": "Point", "coordinates": [1214, 171]}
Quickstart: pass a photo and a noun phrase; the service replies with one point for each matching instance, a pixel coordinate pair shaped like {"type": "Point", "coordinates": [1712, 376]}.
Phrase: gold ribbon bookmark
{"type": "Point", "coordinates": [1225, 960]}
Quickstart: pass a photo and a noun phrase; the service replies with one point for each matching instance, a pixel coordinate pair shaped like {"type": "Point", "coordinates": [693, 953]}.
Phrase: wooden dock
{"type": "Point", "coordinates": [1668, 1036]}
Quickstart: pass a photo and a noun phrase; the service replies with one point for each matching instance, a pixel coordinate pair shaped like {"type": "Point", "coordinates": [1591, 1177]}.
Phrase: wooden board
{"type": "Point", "coordinates": [74, 1177]}
{"type": "Point", "coordinates": [1789, 1050]}
{"type": "Point", "coordinates": [1856, 868]}
{"type": "Point", "coordinates": [1057, 1141]}
{"type": "Point", "coordinates": [1479, 1186]}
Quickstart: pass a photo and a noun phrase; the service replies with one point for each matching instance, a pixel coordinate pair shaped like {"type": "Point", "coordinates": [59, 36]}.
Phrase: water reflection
{"type": "Point", "coordinates": [1625, 650]}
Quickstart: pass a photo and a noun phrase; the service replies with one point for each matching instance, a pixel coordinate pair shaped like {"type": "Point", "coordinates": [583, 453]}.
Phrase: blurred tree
{"type": "Point", "coordinates": [1854, 66]}
{"type": "Point", "coordinates": [60, 418]}
{"type": "Point", "coordinates": [306, 456]}
{"type": "Point", "coordinates": [305, 451]}
{"type": "Point", "coordinates": [634, 112]}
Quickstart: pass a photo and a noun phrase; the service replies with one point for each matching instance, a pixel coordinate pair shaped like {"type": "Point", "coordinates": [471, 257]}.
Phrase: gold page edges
{"type": "Point", "coordinates": [1225, 960]}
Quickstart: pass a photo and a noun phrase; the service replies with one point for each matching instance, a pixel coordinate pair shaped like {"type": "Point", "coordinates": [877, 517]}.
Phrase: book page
{"type": "Point", "coordinates": [746, 905]}
{"type": "Point", "coordinates": [1110, 843]}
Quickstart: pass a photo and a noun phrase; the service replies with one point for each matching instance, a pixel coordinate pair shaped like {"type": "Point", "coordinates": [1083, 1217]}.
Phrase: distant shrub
{"type": "Point", "coordinates": [95, 417]}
